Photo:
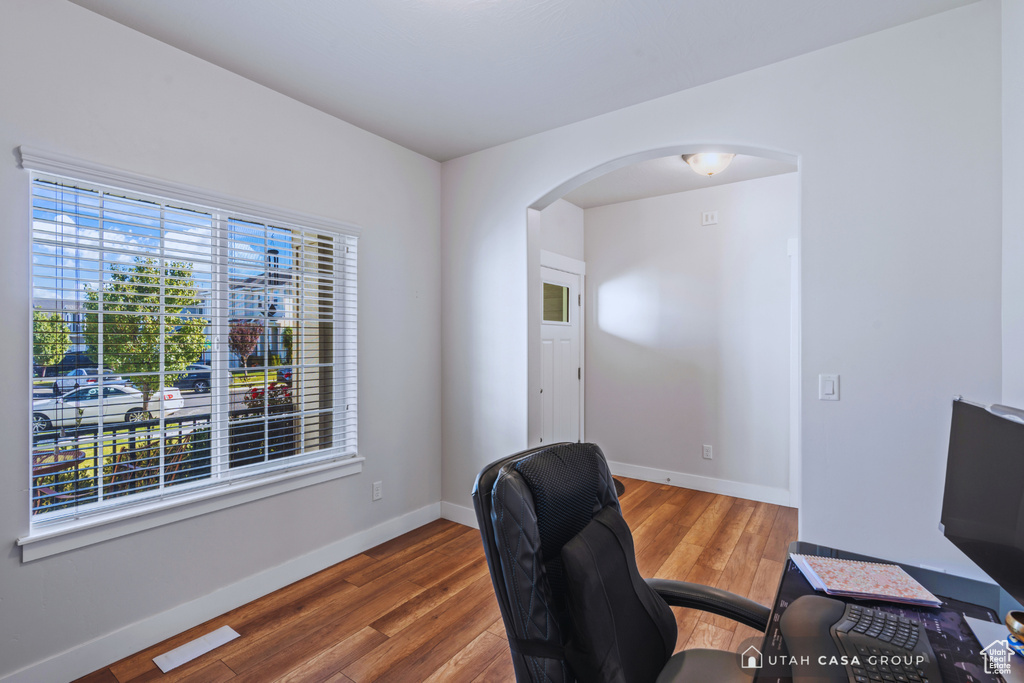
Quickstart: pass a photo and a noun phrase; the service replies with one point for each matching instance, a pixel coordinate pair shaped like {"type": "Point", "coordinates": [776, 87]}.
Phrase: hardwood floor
{"type": "Point", "coordinates": [421, 607]}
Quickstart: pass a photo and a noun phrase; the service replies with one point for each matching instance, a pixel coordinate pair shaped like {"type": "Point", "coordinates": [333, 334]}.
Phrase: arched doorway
{"type": "Point", "coordinates": [789, 492]}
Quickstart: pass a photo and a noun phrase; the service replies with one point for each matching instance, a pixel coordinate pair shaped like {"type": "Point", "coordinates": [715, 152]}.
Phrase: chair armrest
{"type": "Point", "coordinates": [714, 600]}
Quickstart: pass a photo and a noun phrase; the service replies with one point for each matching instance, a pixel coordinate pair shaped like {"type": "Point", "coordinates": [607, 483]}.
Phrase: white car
{"type": "Point", "coordinates": [119, 404]}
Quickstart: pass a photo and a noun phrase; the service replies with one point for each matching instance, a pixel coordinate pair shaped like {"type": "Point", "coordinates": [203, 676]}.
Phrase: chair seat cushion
{"type": "Point", "coordinates": [700, 666]}
{"type": "Point", "coordinates": [620, 630]}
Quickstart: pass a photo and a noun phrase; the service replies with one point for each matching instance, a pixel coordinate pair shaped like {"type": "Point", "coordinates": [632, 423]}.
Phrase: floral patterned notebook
{"type": "Point", "coordinates": [866, 580]}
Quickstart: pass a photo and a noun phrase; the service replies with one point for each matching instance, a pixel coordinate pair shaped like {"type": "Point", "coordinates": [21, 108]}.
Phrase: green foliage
{"type": "Point", "coordinates": [133, 328]}
{"type": "Point", "coordinates": [51, 338]}
{"type": "Point", "coordinates": [288, 339]}
{"type": "Point", "coordinates": [136, 465]}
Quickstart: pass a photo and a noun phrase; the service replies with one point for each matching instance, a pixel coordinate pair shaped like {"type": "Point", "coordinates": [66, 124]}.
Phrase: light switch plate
{"type": "Point", "coordinates": [828, 387]}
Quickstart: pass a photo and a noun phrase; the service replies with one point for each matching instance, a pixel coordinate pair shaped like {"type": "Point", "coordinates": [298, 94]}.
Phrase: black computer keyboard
{"type": "Point", "coordinates": [829, 640]}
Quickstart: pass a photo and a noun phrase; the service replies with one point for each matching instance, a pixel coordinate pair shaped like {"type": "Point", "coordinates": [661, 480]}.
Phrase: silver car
{"type": "Point", "coordinates": [83, 407]}
{"type": "Point", "coordinates": [81, 377]}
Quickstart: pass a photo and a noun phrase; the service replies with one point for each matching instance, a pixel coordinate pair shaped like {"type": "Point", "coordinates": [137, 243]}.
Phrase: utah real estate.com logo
{"type": "Point", "coordinates": [997, 658]}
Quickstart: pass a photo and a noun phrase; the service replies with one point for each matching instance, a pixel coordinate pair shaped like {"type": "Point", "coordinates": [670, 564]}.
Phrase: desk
{"type": "Point", "coordinates": [946, 629]}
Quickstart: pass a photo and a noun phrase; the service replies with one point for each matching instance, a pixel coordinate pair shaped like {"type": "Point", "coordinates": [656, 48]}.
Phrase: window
{"type": "Point", "coordinates": [556, 303]}
{"type": "Point", "coordinates": [181, 348]}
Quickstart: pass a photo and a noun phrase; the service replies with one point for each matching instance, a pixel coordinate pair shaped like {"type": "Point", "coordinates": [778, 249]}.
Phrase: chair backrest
{"type": "Point", "coordinates": [528, 506]}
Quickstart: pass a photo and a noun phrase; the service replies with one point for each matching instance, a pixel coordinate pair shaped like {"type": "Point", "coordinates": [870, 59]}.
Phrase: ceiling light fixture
{"type": "Point", "coordinates": [708, 163]}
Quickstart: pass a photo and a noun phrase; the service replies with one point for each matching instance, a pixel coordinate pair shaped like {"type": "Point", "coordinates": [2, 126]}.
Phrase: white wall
{"type": "Point", "coordinates": [1013, 202]}
{"type": "Point", "coordinates": [561, 229]}
{"type": "Point", "coordinates": [75, 83]}
{"type": "Point", "coordinates": [688, 331]}
{"type": "Point", "coordinates": [901, 262]}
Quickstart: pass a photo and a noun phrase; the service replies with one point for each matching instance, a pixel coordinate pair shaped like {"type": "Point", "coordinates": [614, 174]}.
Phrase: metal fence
{"type": "Point", "coordinates": [84, 466]}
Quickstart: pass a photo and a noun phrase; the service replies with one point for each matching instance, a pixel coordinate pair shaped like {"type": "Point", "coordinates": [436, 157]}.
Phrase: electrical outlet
{"type": "Point", "coordinates": [378, 490]}
{"type": "Point", "coordinates": [707, 452]}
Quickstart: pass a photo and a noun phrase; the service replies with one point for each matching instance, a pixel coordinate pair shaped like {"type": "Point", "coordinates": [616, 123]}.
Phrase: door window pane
{"type": "Point", "coordinates": [556, 303]}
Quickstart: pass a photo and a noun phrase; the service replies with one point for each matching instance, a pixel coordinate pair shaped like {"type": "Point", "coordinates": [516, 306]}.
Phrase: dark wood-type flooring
{"type": "Point", "coordinates": [421, 607]}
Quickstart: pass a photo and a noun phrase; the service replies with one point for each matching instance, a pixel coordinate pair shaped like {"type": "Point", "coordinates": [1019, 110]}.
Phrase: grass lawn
{"type": "Point", "coordinates": [254, 380]}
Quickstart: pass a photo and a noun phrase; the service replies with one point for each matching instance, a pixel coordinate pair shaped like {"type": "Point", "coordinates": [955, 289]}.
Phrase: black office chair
{"type": "Point", "coordinates": [564, 572]}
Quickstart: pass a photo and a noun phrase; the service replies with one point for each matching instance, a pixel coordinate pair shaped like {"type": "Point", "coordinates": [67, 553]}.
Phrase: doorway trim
{"type": "Point", "coordinates": [549, 259]}
{"type": "Point", "coordinates": [795, 389]}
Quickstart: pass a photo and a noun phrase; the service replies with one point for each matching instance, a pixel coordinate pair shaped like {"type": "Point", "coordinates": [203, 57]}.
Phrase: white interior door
{"type": "Point", "coordinates": [561, 366]}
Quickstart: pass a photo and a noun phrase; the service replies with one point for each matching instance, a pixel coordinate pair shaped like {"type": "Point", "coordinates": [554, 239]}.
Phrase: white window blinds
{"type": "Point", "coordinates": [178, 346]}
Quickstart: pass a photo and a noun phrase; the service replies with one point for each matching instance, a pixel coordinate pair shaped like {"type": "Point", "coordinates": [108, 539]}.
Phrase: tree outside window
{"type": "Point", "coordinates": [144, 312]}
{"type": "Point", "coordinates": [243, 338]}
{"type": "Point", "coordinates": [51, 339]}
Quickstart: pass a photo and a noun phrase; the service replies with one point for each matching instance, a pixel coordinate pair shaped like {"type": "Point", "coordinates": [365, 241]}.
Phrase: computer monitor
{"type": "Point", "coordinates": [983, 502]}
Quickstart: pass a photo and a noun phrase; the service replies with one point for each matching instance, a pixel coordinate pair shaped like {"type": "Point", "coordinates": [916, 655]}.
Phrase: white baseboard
{"type": "Point", "coordinates": [459, 514]}
{"type": "Point", "coordinates": [738, 489]}
{"type": "Point", "coordinates": [724, 487]}
{"type": "Point", "coordinates": [95, 654]}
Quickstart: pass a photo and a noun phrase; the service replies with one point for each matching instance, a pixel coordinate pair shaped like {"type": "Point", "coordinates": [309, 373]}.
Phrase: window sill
{"type": "Point", "coordinates": [59, 538]}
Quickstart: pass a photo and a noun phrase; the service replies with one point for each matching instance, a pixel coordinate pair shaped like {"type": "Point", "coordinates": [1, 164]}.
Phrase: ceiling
{"type": "Point", "coordinates": [667, 175]}
{"type": "Point", "coordinates": [450, 77]}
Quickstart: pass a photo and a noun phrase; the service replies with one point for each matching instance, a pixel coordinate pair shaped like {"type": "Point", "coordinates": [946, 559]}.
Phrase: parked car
{"type": "Point", "coordinates": [197, 378]}
{"type": "Point", "coordinates": [82, 406]}
{"type": "Point", "coordinates": [84, 376]}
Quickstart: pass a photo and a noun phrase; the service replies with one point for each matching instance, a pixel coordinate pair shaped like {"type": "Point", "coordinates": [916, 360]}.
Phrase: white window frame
{"type": "Point", "coordinates": [284, 475]}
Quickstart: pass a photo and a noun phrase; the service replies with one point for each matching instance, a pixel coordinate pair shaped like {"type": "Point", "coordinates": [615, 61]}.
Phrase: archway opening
{"type": "Point", "coordinates": [671, 307]}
